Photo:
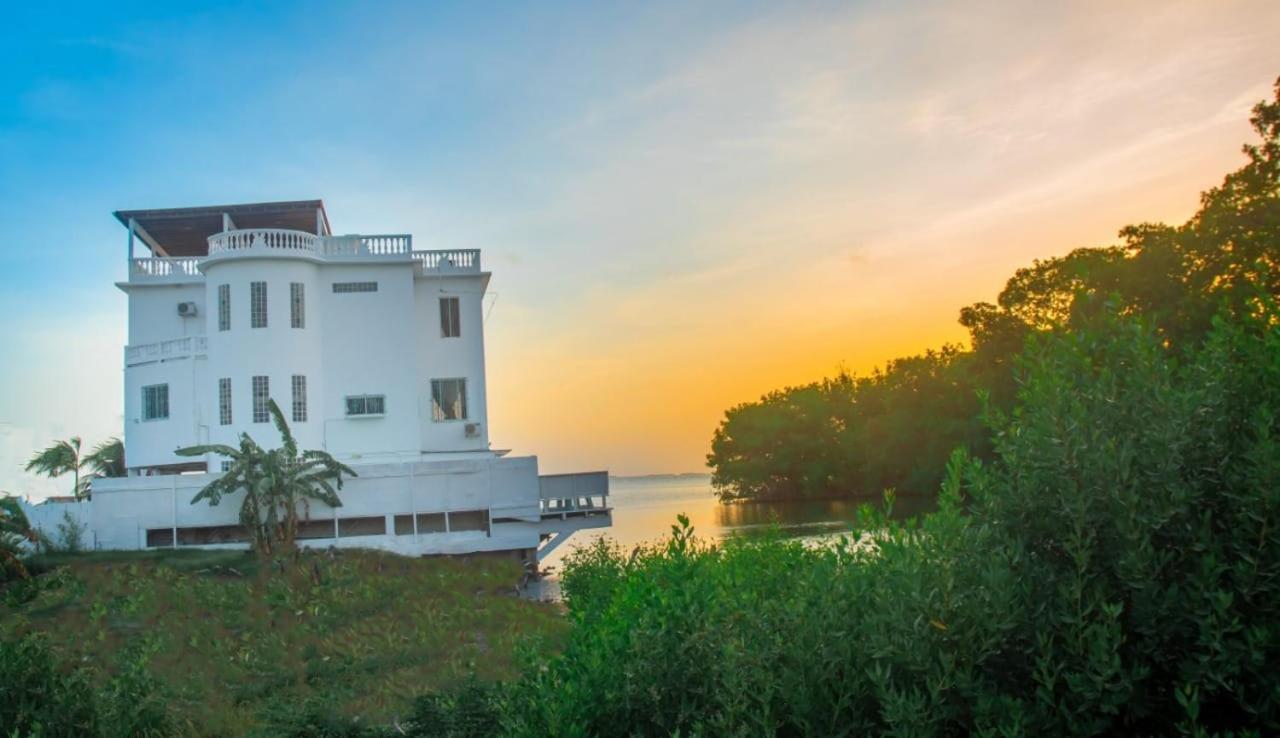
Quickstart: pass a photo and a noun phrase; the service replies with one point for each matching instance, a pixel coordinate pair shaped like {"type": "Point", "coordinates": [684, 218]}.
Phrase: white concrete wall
{"type": "Point", "coordinates": [386, 342]}
{"type": "Point", "coordinates": [152, 442]}
{"type": "Point", "coordinates": [448, 358]}
{"type": "Point", "coordinates": [368, 349]}
{"type": "Point", "coordinates": [277, 351]}
{"type": "Point", "coordinates": [153, 311]}
{"type": "Point", "coordinates": [124, 509]}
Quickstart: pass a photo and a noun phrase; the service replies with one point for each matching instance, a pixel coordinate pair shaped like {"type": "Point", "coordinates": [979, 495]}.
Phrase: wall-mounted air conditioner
{"type": "Point", "coordinates": [473, 430]}
{"type": "Point", "coordinates": [187, 309]}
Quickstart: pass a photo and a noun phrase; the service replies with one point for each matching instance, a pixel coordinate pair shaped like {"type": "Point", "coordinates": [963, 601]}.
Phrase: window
{"type": "Point", "coordinates": [261, 396]}
{"type": "Point", "coordinates": [257, 304]}
{"type": "Point", "coordinates": [224, 401]}
{"type": "Point", "coordinates": [370, 526]}
{"type": "Point", "coordinates": [339, 287]}
{"type": "Point", "coordinates": [449, 325]}
{"type": "Point", "coordinates": [461, 520]}
{"type": "Point", "coordinates": [366, 405]}
{"type": "Point", "coordinates": [155, 402]}
{"type": "Point", "coordinates": [297, 305]}
{"type": "Point", "coordinates": [299, 398]}
{"type": "Point", "coordinates": [224, 307]}
{"type": "Point", "coordinates": [225, 466]}
{"type": "Point", "coordinates": [448, 399]}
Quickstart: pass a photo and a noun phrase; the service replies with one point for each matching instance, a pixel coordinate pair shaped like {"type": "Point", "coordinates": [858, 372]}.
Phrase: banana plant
{"type": "Point", "coordinates": [279, 484]}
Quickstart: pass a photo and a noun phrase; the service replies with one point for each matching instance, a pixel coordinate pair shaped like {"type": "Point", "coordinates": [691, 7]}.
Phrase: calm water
{"type": "Point", "coordinates": [645, 508]}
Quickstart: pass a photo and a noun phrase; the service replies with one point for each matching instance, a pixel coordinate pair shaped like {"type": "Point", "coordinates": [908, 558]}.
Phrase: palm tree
{"type": "Point", "coordinates": [14, 531]}
{"type": "Point", "coordinates": [279, 484]}
{"type": "Point", "coordinates": [60, 458]}
{"type": "Point", "coordinates": [106, 460]}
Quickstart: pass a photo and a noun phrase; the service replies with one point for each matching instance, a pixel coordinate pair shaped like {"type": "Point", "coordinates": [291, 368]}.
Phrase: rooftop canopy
{"type": "Point", "coordinates": [186, 231]}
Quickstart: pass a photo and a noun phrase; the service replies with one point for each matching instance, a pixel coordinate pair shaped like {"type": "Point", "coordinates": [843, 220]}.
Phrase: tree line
{"type": "Point", "coordinates": [895, 428]}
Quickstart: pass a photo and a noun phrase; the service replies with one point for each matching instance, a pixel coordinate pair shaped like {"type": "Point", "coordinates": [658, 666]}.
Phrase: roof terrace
{"type": "Point", "coordinates": [180, 239]}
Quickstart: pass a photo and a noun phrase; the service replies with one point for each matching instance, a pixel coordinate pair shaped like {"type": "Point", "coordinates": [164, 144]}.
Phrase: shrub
{"type": "Point", "coordinates": [1114, 570]}
{"type": "Point", "coordinates": [39, 698]}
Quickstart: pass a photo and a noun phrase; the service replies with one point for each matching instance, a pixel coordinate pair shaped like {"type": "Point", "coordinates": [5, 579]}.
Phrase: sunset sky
{"type": "Point", "coordinates": [684, 205]}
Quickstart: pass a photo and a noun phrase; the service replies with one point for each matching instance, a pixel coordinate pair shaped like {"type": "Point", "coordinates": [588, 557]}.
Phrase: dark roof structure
{"type": "Point", "coordinates": [186, 231]}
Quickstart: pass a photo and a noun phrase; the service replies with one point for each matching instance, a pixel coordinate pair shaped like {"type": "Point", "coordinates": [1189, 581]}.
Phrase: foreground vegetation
{"type": "Point", "coordinates": [851, 436]}
{"type": "Point", "coordinates": [225, 643]}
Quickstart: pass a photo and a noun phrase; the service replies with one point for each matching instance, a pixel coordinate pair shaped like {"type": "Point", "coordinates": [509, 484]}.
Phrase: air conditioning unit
{"type": "Point", "coordinates": [472, 430]}
{"type": "Point", "coordinates": [187, 309]}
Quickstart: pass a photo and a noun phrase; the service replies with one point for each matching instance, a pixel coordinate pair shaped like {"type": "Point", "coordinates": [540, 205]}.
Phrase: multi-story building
{"type": "Point", "coordinates": [374, 352]}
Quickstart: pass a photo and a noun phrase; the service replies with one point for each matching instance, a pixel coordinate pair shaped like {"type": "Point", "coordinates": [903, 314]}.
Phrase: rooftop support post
{"type": "Point", "coordinates": [320, 229]}
{"type": "Point", "coordinates": [132, 225]}
{"type": "Point", "coordinates": [227, 223]}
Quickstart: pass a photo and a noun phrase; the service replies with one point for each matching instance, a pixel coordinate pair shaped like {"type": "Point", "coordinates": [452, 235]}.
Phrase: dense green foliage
{"type": "Point", "coordinates": [245, 646]}
{"type": "Point", "coordinates": [15, 533]}
{"type": "Point", "coordinates": [278, 484]}
{"type": "Point", "coordinates": [896, 427]}
{"type": "Point", "coordinates": [1114, 570]}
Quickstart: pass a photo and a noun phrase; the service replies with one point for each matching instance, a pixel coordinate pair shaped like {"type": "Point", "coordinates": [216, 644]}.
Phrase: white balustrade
{"type": "Point", "coordinates": [174, 348]}
{"type": "Point", "coordinates": [263, 238]}
{"type": "Point", "coordinates": [183, 266]}
{"type": "Point", "coordinates": [463, 259]}
{"type": "Point", "coordinates": [301, 242]}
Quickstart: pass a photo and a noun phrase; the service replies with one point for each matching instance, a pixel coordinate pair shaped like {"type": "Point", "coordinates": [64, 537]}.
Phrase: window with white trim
{"type": "Point", "coordinates": [297, 305]}
{"type": "Point", "coordinates": [299, 398]}
{"type": "Point", "coordinates": [261, 398]}
{"type": "Point", "coordinates": [224, 307]}
{"type": "Point", "coordinates": [257, 304]}
{"type": "Point", "coordinates": [155, 402]}
{"type": "Point", "coordinates": [450, 326]}
{"type": "Point", "coordinates": [448, 399]}
{"type": "Point", "coordinates": [366, 405]}
{"type": "Point", "coordinates": [224, 401]}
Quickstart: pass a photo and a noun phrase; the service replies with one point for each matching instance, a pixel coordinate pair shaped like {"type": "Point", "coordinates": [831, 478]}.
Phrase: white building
{"type": "Point", "coordinates": [373, 351]}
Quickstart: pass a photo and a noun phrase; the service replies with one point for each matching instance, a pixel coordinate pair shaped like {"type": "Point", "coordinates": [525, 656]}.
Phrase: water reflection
{"type": "Point", "coordinates": [645, 508]}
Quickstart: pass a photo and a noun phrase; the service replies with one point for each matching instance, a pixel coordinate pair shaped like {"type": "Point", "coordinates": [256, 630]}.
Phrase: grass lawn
{"type": "Point", "coordinates": [233, 640]}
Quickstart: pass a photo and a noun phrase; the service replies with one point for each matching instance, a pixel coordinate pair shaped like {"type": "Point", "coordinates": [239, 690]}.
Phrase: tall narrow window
{"type": "Point", "coordinates": [261, 396]}
{"type": "Point", "coordinates": [448, 399]}
{"type": "Point", "coordinates": [257, 304]}
{"type": "Point", "coordinates": [224, 401]}
{"type": "Point", "coordinates": [224, 307]}
{"type": "Point", "coordinates": [299, 398]}
{"type": "Point", "coordinates": [297, 305]}
{"type": "Point", "coordinates": [155, 402]}
{"type": "Point", "coordinates": [449, 325]}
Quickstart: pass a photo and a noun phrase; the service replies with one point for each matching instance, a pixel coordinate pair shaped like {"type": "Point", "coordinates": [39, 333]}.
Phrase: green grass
{"type": "Point", "coordinates": [235, 640]}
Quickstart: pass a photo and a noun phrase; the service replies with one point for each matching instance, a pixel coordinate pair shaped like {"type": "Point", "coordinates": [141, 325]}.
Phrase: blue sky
{"type": "Point", "coordinates": [684, 204]}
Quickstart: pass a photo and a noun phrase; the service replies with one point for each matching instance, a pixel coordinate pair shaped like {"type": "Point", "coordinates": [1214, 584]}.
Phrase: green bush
{"type": "Point", "coordinates": [38, 698]}
{"type": "Point", "coordinates": [1114, 570]}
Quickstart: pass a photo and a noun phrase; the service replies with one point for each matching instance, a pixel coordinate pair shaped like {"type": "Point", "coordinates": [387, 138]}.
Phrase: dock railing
{"type": "Point", "coordinates": [581, 494]}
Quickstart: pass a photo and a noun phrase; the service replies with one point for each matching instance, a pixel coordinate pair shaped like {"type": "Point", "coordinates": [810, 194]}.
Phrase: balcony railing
{"type": "Point", "coordinates": [569, 495]}
{"type": "Point", "coordinates": [166, 268]}
{"type": "Point", "coordinates": [300, 242]}
{"type": "Point", "coordinates": [264, 238]}
{"type": "Point", "coordinates": [392, 245]}
{"type": "Point", "coordinates": [176, 348]}
{"type": "Point", "coordinates": [456, 259]}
